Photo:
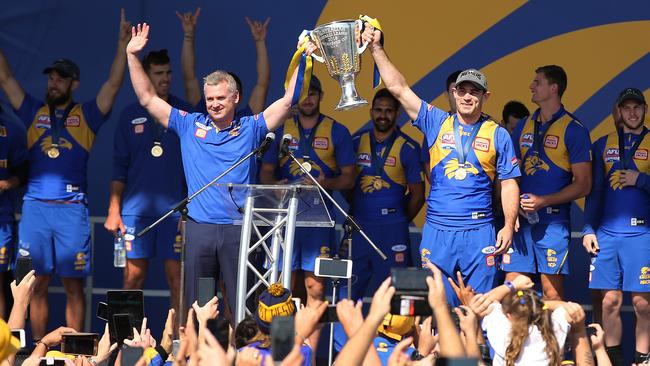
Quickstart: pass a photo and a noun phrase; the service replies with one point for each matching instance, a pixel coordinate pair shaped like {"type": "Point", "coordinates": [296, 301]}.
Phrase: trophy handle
{"type": "Point", "coordinates": [361, 49]}
{"type": "Point", "coordinates": [318, 58]}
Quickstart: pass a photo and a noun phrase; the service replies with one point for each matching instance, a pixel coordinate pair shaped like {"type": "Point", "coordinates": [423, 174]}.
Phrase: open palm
{"type": "Point", "coordinates": [139, 38]}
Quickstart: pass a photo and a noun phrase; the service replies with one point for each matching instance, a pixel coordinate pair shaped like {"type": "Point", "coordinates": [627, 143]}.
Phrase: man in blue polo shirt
{"type": "Point", "coordinates": [54, 229]}
{"type": "Point", "coordinates": [13, 172]}
{"type": "Point", "coordinates": [210, 144]}
{"type": "Point", "coordinates": [469, 152]}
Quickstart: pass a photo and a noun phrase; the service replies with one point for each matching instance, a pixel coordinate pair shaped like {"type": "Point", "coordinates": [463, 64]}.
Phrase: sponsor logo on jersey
{"type": "Point", "coordinates": [203, 126]}
{"type": "Point", "coordinates": [3, 163]}
{"type": "Point", "coordinates": [321, 143]}
{"type": "Point", "coordinates": [551, 141]}
{"type": "Point", "coordinates": [73, 121]}
{"type": "Point", "coordinates": [478, 215]}
{"type": "Point", "coordinates": [42, 121]}
{"type": "Point", "coordinates": [200, 133]}
{"type": "Point", "coordinates": [390, 161]}
{"type": "Point", "coordinates": [482, 144]}
{"type": "Point", "coordinates": [551, 258]}
{"type": "Point", "coordinates": [489, 260]}
{"type": "Point", "coordinates": [527, 140]}
{"type": "Point", "coordinates": [447, 141]}
{"type": "Point", "coordinates": [363, 160]}
{"type": "Point", "coordinates": [506, 258]}
{"type": "Point", "coordinates": [182, 113]}
{"type": "Point", "coordinates": [611, 155]}
{"type": "Point", "coordinates": [641, 154]}
{"type": "Point", "coordinates": [489, 249]}
{"type": "Point", "coordinates": [3, 131]}
{"type": "Point", "coordinates": [398, 248]}
{"type": "Point", "coordinates": [139, 120]}
{"type": "Point", "coordinates": [138, 128]}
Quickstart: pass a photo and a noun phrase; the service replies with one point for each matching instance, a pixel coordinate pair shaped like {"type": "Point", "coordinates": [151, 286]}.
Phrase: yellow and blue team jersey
{"type": "Point", "coordinates": [462, 204]}
{"type": "Point", "coordinates": [142, 173]}
{"type": "Point", "coordinates": [380, 197]}
{"type": "Point", "coordinates": [617, 210]}
{"type": "Point", "coordinates": [62, 178]}
{"type": "Point", "coordinates": [330, 149]}
{"type": "Point", "coordinates": [546, 164]}
{"type": "Point", "coordinates": [13, 153]}
{"type": "Point", "coordinates": [385, 347]}
{"type": "Point", "coordinates": [207, 152]}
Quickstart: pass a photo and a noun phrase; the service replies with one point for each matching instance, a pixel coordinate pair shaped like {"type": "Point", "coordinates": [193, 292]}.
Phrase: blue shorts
{"type": "Point", "coordinates": [310, 243]}
{"type": "Point", "coordinates": [623, 263]}
{"type": "Point", "coordinates": [540, 248]}
{"type": "Point", "coordinates": [6, 245]}
{"type": "Point", "coordinates": [468, 251]}
{"type": "Point", "coordinates": [368, 269]}
{"type": "Point", "coordinates": [163, 241]}
{"type": "Point", "coordinates": [57, 237]}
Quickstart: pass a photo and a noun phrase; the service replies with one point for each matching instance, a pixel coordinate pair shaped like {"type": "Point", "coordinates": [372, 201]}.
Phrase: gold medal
{"type": "Point", "coordinates": [460, 174]}
{"type": "Point", "coordinates": [156, 151]}
{"type": "Point", "coordinates": [376, 184]}
{"type": "Point", "coordinates": [307, 166]}
{"type": "Point", "coordinates": [53, 152]}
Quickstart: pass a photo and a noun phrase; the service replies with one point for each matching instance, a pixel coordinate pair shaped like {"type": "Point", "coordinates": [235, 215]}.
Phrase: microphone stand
{"type": "Point", "coordinates": [182, 208]}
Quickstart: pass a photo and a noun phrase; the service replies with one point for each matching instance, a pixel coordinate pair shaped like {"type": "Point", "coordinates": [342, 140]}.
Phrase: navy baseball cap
{"type": "Point", "coordinates": [630, 94]}
{"type": "Point", "coordinates": [65, 68]}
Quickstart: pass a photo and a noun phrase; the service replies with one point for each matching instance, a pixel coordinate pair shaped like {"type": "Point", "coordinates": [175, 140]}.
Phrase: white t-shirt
{"type": "Point", "coordinates": [497, 326]}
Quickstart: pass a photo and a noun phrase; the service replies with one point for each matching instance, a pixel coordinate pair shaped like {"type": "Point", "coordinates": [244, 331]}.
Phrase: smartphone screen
{"type": "Point", "coordinates": [329, 316]}
{"type": "Point", "coordinates": [123, 327]}
{"type": "Point", "coordinates": [125, 302]}
{"type": "Point", "coordinates": [23, 266]}
{"type": "Point", "coordinates": [410, 279]}
{"type": "Point", "coordinates": [102, 311]}
{"type": "Point", "coordinates": [80, 344]}
{"type": "Point", "coordinates": [338, 268]}
{"type": "Point", "coordinates": [220, 328]}
{"type": "Point", "coordinates": [282, 336]}
{"type": "Point", "coordinates": [206, 290]}
{"type": "Point", "coordinates": [20, 335]}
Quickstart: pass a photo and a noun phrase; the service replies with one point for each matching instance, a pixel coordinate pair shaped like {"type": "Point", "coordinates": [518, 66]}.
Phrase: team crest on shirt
{"type": "Point", "coordinates": [482, 144]}
{"type": "Point", "coordinates": [382, 347]}
{"type": "Point", "coordinates": [424, 256]}
{"type": "Point", "coordinates": [611, 155]}
{"type": "Point", "coordinates": [3, 131]}
{"type": "Point", "coordinates": [363, 160]}
{"type": "Point", "coordinates": [200, 133]}
{"type": "Point", "coordinates": [551, 258]}
{"type": "Point", "coordinates": [641, 154]}
{"type": "Point", "coordinates": [615, 179]}
{"type": "Point", "coordinates": [4, 257]}
{"type": "Point", "coordinates": [324, 251]}
{"type": "Point", "coordinates": [203, 126]}
{"type": "Point", "coordinates": [3, 163]}
{"type": "Point", "coordinates": [234, 131]}
{"type": "Point", "coordinates": [551, 141]}
{"type": "Point", "coordinates": [43, 121]}
{"type": "Point", "coordinates": [46, 144]}
{"type": "Point", "coordinates": [370, 184]}
{"type": "Point", "coordinates": [73, 121]}
{"type": "Point", "coordinates": [534, 163]}
{"type": "Point", "coordinates": [452, 165]}
{"type": "Point", "coordinates": [447, 141]}
{"type": "Point", "coordinates": [527, 140]}
{"type": "Point", "coordinates": [80, 261]}
{"type": "Point", "coordinates": [644, 278]}
{"type": "Point", "coordinates": [321, 143]}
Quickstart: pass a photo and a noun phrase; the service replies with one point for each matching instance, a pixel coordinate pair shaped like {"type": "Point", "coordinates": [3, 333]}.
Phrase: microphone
{"type": "Point", "coordinates": [284, 147]}
{"type": "Point", "coordinates": [268, 140]}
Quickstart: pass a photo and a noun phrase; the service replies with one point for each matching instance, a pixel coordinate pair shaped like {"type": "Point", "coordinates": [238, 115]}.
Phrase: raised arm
{"type": "Point", "coordinates": [394, 80]}
{"type": "Point", "coordinates": [142, 86]}
{"type": "Point", "coordinates": [108, 91]}
{"type": "Point", "coordinates": [190, 82]}
{"type": "Point", "coordinates": [9, 84]}
{"type": "Point", "coordinates": [258, 95]}
{"type": "Point", "coordinates": [276, 113]}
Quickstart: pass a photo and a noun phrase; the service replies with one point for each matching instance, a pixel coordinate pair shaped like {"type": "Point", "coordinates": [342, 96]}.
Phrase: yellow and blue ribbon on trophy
{"type": "Point", "coordinates": [374, 22]}
{"type": "Point", "coordinates": [304, 64]}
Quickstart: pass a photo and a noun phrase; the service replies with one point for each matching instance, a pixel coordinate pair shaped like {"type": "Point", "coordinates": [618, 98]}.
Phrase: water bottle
{"type": "Point", "coordinates": [532, 217]}
{"type": "Point", "coordinates": [119, 253]}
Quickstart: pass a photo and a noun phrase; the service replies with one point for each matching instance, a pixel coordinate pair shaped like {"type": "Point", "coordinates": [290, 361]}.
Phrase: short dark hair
{"type": "Point", "coordinates": [159, 57]}
{"type": "Point", "coordinates": [452, 78]}
{"type": "Point", "coordinates": [516, 109]}
{"type": "Point", "coordinates": [555, 75]}
{"type": "Point", "coordinates": [384, 93]}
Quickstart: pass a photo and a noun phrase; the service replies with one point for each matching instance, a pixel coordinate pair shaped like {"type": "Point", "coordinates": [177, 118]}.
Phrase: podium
{"type": "Point", "coordinates": [280, 208]}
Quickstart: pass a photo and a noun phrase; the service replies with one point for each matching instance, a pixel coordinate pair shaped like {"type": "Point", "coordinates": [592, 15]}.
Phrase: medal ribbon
{"type": "Point", "coordinates": [377, 162]}
{"type": "Point", "coordinates": [58, 125]}
{"type": "Point", "coordinates": [157, 131]}
{"type": "Point", "coordinates": [624, 158]}
{"type": "Point", "coordinates": [305, 142]}
{"type": "Point", "coordinates": [304, 64]}
{"type": "Point", "coordinates": [462, 150]}
{"type": "Point", "coordinates": [537, 141]}
{"type": "Point", "coordinates": [376, 77]}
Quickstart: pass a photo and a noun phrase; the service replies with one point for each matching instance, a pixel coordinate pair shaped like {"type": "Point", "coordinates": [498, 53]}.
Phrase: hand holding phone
{"type": "Point", "coordinates": [84, 344]}
{"type": "Point", "coordinates": [23, 266]}
{"type": "Point", "coordinates": [282, 337]}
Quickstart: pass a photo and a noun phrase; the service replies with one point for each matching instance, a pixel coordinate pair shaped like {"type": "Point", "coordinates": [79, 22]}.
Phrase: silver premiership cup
{"type": "Point", "coordinates": [337, 44]}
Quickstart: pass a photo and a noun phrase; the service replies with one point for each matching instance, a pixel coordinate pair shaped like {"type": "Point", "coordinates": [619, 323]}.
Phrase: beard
{"type": "Point", "coordinates": [53, 100]}
{"type": "Point", "coordinates": [309, 112]}
{"type": "Point", "coordinates": [384, 127]}
{"type": "Point", "coordinates": [634, 125]}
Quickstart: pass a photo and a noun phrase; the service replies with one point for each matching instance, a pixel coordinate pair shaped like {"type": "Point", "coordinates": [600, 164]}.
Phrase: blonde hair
{"type": "Point", "coordinates": [526, 308]}
{"type": "Point", "coordinates": [219, 76]}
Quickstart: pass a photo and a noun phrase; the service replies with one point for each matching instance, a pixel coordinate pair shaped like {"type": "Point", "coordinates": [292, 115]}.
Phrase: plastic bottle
{"type": "Point", "coordinates": [533, 216]}
{"type": "Point", "coordinates": [119, 253]}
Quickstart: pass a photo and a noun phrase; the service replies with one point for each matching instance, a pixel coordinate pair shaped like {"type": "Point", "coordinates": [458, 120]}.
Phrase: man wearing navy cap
{"type": "Point", "coordinates": [54, 229]}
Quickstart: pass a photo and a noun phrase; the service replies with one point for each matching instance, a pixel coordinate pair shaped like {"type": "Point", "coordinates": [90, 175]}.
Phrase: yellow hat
{"type": "Point", "coordinates": [59, 354]}
{"type": "Point", "coordinates": [396, 326]}
{"type": "Point", "coordinates": [8, 343]}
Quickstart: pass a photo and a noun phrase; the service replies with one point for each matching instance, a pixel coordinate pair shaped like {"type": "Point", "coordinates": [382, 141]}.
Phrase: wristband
{"type": "Point", "coordinates": [162, 352]}
{"type": "Point", "coordinates": [509, 285]}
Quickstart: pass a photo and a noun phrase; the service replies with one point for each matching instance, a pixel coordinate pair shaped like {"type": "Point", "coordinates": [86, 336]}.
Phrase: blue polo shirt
{"type": "Point", "coordinates": [63, 178]}
{"type": "Point", "coordinates": [13, 152]}
{"type": "Point", "coordinates": [208, 152]}
{"type": "Point", "coordinates": [141, 172]}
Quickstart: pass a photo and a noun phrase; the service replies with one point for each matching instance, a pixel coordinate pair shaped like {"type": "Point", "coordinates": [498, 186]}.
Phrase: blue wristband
{"type": "Point", "coordinates": [509, 285]}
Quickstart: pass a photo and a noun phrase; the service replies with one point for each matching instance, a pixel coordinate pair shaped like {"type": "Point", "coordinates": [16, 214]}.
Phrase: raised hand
{"type": "Point", "coordinates": [399, 357]}
{"type": "Point", "coordinates": [207, 311]}
{"type": "Point", "coordinates": [306, 320]}
{"type": "Point", "coordinates": [380, 305]}
{"type": "Point", "coordinates": [258, 29]}
{"type": "Point", "coordinates": [350, 315]}
{"type": "Point", "coordinates": [522, 282]}
{"type": "Point", "coordinates": [139, 38]}
{"type": "Point", "coordinates": [188, 20]}
{"type": "Point", "coordinates": [463, 293]}
{"type": "Point", "coordinates": [371, 35]}
{"type": "Point", "coordinates": [125, 27]}
{"type": "Point", "coordinates": [437, 296]}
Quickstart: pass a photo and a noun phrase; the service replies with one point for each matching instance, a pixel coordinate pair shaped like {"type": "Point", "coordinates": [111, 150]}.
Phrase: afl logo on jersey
{"type": "Point", "coordinates": [527, 140]}
{"type": "Point", "coordinates": [363, 160]}
{"type": "Point", "coordinates": [611, 155]}
{"type": "Point", "coordinates": [43, 121]}
{"type": "Point", "coordinates": [447, 141]}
